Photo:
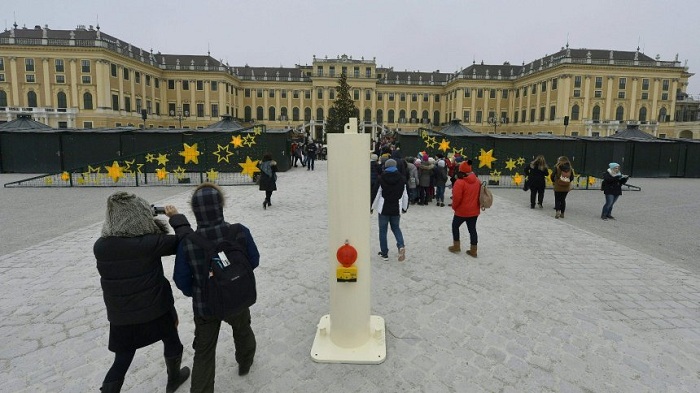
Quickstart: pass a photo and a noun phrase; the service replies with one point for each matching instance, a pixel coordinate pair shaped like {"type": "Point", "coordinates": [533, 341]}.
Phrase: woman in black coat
{"type": "Point", "coordinates": [139, 301]}
{"type": "Point", "coordinates": [536, 173]}
{"type": "Point", "coordinates": [613, 180]}
{"type": "Point", "coordinates": [268, 178]}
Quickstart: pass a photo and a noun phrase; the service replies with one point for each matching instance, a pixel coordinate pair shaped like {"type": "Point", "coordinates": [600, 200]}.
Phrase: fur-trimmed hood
{"type": "Point", "coordinates": [129, 216]}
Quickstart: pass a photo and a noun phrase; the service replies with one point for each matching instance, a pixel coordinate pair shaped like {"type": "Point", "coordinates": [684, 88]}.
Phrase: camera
{"type": "Point", "coordinates": [157, 210]}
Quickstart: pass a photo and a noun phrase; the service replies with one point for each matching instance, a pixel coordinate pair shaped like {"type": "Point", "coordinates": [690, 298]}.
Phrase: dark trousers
{"type": "Point", "coordinates": [457, 221]}
{"type": "Point", "coordinates": [310, 160]}
{"type": "Point", "coordinates": [268, 195]}
{"type": "Point", "coordinates": [122, 360]}
{"type": "Point", "coordinates": [206, 336]}
{"type": "Point", "coordinates": [536, 192]}
{"type": "Point", "coordinates": [560, 200]}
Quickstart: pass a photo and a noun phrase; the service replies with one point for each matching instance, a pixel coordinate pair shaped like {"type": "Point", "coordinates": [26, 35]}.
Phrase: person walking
{"type": "Point", "coordinates": [311, 149]}
{"type": "Point", "coordinates": [562, 177]}
{"type": "Point", "coordinates": [613, 179]}
{"type": "Point", "coordinates": [536, 174]}
{"type": "Point", "coordinates": [391, 200]}
{"type": "Point", "coordinates": [191, 273]}
{"type": "Point", "coordinates": [465, 203]}
{"type": "Point", "coordinates": [138, 297]}
{"type": "Point", "coordinates": [268, 178]}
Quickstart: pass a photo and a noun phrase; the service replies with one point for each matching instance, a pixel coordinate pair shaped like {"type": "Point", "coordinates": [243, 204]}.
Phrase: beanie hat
{"type": "Point", "coordinates": [390, 162]}
{"type": "Point", "coordinates": [129, 216]}
{"type": "Point", "coordinates": [465, 167]}
{"type": "Point", "coordinates": [613, 165]}
{"type": "Point", "coordinates": [373, 157]}
{"type": "Point", "coordinates": [431, 160]}
{"type": "Point", "coordinates": [441, 163]}
{"type": "Point", "coordinates": [417, 161]}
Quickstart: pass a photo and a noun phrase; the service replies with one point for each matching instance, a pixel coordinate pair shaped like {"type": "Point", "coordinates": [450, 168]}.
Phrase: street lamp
{"type": "Point", "coordinates": [179, 114]}
{"type": "Point", "coordinates": [495, 122]}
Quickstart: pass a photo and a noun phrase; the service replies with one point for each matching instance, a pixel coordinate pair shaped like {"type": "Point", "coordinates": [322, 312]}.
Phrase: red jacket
{"type": "Point", "coordinates": [465, 196]}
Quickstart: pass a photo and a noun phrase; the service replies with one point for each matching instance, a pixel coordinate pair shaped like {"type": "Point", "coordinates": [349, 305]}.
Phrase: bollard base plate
{"type": "Point", "coordinates": [371, 352]}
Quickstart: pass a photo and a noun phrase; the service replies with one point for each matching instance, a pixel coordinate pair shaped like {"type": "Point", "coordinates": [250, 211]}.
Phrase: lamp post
{"type": "Point", "coordinates": [179, 114]}
{"type": "Point", "coordinates": [495, 122]}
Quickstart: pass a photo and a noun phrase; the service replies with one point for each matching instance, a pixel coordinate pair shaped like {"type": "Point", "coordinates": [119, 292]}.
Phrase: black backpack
{"type": "Point", "coordinates": [230, 286]}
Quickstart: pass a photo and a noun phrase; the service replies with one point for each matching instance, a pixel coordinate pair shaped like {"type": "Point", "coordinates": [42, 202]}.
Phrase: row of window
{"type": "Point", "coordinates": [391, 118]}
{"type": "Point", "coordinates": [344, 71]}
{"type": "Point", "coordinates": [199, 85]}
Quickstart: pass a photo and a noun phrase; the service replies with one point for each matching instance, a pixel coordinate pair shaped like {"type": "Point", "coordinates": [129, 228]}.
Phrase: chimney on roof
{"type": "Point", "coordinates": [37, 27]}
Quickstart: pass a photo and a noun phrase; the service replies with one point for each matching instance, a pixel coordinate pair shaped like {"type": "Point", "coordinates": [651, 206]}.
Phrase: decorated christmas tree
{"type": "Point", "coordinates": [343, 107]}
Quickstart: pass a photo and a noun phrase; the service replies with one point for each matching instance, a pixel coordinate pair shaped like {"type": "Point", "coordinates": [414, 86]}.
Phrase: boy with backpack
{"type": "Point", "coordinates": [196, 273]}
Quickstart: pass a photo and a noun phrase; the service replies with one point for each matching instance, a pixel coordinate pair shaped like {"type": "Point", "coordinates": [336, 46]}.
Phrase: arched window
{"type": "Point", "coordinates": [87, 100]}
{"type": "Point", "coordinates": [283, 113]}
{"type": "Point", "coordinates": [643, 114]}
{"type": "Point", "coordinates": [596, 113]}
{"type": "Point", "coordinates": [3, 98]}
{"type": "Point", "coordinates": [686, 134]}
{"type": "Point", "coordinates": [61, 100]}
{"type": "Point", "coordinates": [368, 115]}
{"type": "Point", "coordinates": [271, 114]}
{"type": "Point", "coordinates": [414, 116]}
{"type": "Point", "coordinates": [402, 115]}
{"type": "Point", "coordinates": [574, 112]}
{"type": "Point", "coordinates": [620, 113]}
{"type": "Point", "coordinates": [380, 116]}
{"type": "Point", "coordinates": [662, 115]}
{"type": "Point", "coordinates": [319, 114]}
{"type": "Point", "coordinates": [426, 117]}
{"type": "Point", "coordinates": [307, 114]}
{"type": "Point", "coordinates": [390, 117]}
{"type": "Point", "coordinates": [248, 114]}
{"type": "Point", "coordinates": [295, 114]}
{"type": "Point", "coordinates": [436, 118]}
{"type": "Point", "coordinates": [260, 113]}
{"type": "Point", "coordinates": [31, 99]}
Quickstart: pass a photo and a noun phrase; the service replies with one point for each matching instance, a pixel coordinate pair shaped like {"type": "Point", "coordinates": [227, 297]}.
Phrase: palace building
{"type": "Point", "coordinates": [84, 78]}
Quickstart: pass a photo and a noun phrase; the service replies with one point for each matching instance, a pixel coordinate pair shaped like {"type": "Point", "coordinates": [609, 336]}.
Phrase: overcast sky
{"type": "Point", "coordinates": [418, 35]}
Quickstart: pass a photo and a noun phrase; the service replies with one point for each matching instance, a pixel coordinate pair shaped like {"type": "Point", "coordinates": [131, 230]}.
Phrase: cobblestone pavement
{"type": "Point", "coordinates": [560, 308]}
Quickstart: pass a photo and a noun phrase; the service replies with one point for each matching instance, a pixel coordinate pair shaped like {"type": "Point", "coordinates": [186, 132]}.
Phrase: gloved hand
{"type": "Point", "coordinates": [403, 211]}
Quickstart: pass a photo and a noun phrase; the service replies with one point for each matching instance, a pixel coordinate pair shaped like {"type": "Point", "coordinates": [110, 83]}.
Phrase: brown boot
{"type": "Point", "coordinates": [455, 247]}
{"type": "Point", "coordinates": [472, 251]}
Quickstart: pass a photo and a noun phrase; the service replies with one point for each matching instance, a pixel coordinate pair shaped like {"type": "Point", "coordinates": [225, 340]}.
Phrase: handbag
{"type": "Point", "coordinates": [526, 185]}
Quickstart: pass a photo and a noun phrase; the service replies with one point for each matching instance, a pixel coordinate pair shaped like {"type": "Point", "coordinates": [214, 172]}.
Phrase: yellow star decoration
{"type": "Point", "coordinates": [48, 180]}
{"type": "Point", "coordinates": [162, 159]}
{"type": "Point", "coordinates": [250, 167]}
{"type": "Point", "coordinates": [236, 141]}
{"type": "Point", "coordinates": [486, 158]}
{"type": "Point", "coordinates": [495, 175]}
{"type": "Point", "coordinates": [150, 157]}
{"type": "Point", "coordinates": [424, 134]}
{"type": "Point", "coordinates": [96, 171]}
{"type": "Point", "coordinates": [257, 130]}
{"type": "Point", "coordinates": [444, 145]}
{"type": "Point", "coordinates": [591, 180]}
{"type": "Point", "coordinates": [161, 173]}
{"type": "Point", "coordinates": [249, 140]}
{"type": "Point", "coordinates": [65, 176]}
{"type": "Point", "coordinates": [548, 179]}
{"type": "Point", "coordinates": [520, 161]}
{"type": "Point", "coordinates": [114, 171]}
{"type": "Point", "coordinates": [127, 166]}
{"type": "Point", "coordinates": [190, 153]}
{"type": "Point", "coordinates": [219, 153]}
{"type": "Point", "coordinates": [458, 151]}
{"type": "Point", "coordinates": [81, 180]}
{"type": "Point", "coordinates": [138, 168]}
{"type": "Point", "coordinates": [212, 175]}
{"type": "Point", "coordinates": [510, 164]}
{"type": "Point", "coordinates": [517, 179]}
{"type": "Point", "coordinates": [430, 142]}
{"type": "Point", "coordinates": [179, 172]}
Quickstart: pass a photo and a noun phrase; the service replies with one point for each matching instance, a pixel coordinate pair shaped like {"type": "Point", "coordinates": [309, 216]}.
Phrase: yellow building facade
{"type": "Point", "coordinates": [83, 78]}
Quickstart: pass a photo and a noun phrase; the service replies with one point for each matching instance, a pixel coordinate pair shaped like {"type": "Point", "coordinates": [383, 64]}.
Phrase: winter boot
{"type": "Point", "coordinates": [455, 247]}
{"type": "Point", "coordinates": [558, 214]}
{"type": "Point", "coordinates": [112, 387]}
{"type": "Point", "coordinates": [176, 375]}
{"type": "Point", "coordinates": [472, 251]}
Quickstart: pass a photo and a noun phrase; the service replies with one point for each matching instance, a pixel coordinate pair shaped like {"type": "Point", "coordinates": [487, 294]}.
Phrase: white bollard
{"type": "Point", "coordinates": [349, 334]}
